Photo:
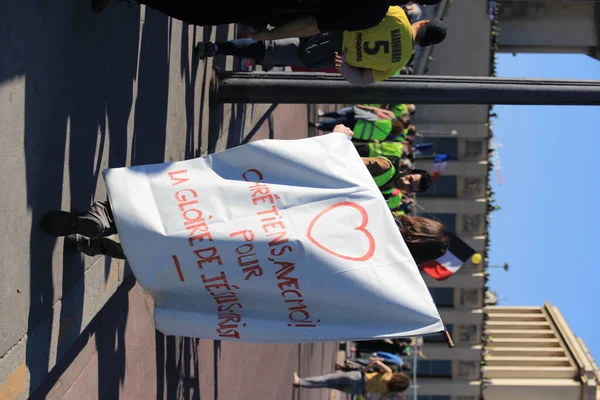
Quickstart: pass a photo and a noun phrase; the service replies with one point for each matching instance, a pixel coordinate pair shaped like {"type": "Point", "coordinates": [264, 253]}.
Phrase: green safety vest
{"type": "Point", "coordinates": [401, 138]}
{"type": "Point", "coordinates": [385, 149]}
{"type": "Point", "coordinates": [399, 110]}
{"type": "Point", "coordinates": [393, 200]}
{"type": "Point", "coordinates": [368, 130]}
{"type": "Point", "coordinates": [383, 179]}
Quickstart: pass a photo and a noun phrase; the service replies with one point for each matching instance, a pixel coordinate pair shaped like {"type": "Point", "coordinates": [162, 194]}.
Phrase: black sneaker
{"type": "Point", "coordinates": [204, 50]}
{"type": "Point", "coordinates": [94, 247]}
{"type": "Point", "coordinates": [63, 223]}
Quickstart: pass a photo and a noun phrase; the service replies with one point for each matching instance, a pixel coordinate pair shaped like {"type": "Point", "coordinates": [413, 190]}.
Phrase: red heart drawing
{"type": "Point", "coordinates": [361, 228]}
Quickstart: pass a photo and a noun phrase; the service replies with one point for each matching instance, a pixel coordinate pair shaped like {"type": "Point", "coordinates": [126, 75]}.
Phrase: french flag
{"type": "Point", "coordinates": [421, 148]}
{"type": "Point", "coordinates": [439, 164]}
{"type": "Point", "coordinates": [444, 267]}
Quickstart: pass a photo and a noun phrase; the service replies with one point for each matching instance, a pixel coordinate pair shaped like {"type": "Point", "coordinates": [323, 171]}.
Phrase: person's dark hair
{"type": "Point", "coordinates": [433, 32]}
{"type": "Point", "coordinates": [424, 182]}
{"type": "Point", "coordinates": [397, 128]}
{"type": "Point", "coordinates": [398, 383]}
{"type": "Point", "coordinates": [425, 238]}
{"type": "Point", "coordinates": [426, 179]}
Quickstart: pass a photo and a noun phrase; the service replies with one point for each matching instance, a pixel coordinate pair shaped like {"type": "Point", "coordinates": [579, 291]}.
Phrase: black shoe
{"type": "Point", "coordinates": [204, 50]}
{"type": "Point", "coordinates": [63, 223]}
{"type": "Point", "coordinates": [94, 247]}
{"type": "Point", "coordinates": [71, 243]}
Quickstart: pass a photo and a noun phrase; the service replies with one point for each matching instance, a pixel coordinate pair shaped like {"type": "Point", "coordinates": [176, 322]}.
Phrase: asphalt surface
{"type": "Point", "coordinates": [80, 93]}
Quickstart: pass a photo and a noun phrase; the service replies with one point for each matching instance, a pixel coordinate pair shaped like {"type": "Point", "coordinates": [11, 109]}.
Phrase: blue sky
{"type": "Point", "coordinates": [549, 226]}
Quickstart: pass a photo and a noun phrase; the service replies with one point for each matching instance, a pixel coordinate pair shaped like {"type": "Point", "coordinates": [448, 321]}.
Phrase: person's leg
{"type": "Point", "coordinates": [330, 123]}
{"type": "Point", "coordinates": [238, 47]}
{"type": "Point", "coordinates": [96, 246]}
{"type": "Point", "coordinates": [331, 114]}
{"type": "Point", "coordinates": [274, 52]}
{"type": "Point", "coordinates": [343, 381]}
{"type": "Point", "coordinates": [98, 221]}
{"type": "Point", "coordinates": [346, 111]}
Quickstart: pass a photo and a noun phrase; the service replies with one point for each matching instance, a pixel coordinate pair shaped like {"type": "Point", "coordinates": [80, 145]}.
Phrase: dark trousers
{"type": "Point", "coordinates": [315, 52]}
{"type": "Point", "coordinates": [102, 245]}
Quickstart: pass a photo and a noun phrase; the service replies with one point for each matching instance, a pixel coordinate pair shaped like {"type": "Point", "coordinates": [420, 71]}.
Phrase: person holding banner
{"type": "Point", "coordinates": [383, 381]}
{"type": "Point", "coordinates": [90, 231]}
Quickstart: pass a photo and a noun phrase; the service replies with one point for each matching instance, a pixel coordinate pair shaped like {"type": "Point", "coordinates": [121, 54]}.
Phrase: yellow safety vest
{"type": "Point", "coordinates": [385, 149]}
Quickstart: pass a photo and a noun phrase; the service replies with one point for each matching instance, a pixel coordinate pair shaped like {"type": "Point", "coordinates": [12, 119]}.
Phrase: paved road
{"type": "Point", "coordinates": [122, 356]}
{"type": "Point", "coordinates": [79, 93]}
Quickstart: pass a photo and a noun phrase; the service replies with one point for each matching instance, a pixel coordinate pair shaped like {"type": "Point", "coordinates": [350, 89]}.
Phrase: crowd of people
{"type": "Point", "coordinates": [385, 138]}
{"type": "Point", "coordinates": [366, 44]}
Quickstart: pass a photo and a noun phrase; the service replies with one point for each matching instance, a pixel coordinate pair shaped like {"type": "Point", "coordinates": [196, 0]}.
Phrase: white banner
{"type": "Point", "coordinates": [276, 241]}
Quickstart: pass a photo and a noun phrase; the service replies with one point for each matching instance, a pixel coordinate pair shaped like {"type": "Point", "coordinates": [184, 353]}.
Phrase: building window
{"type": "Point", "coordinates": [448, 220]}
{"type": "Point", "coordinates": [468, 333]}
{"type": "Point", "coordinates": [472, 223]}
{"type": "Point", "coordinates": [473, 187]}
{"type": "Point", "coordinates": [444, 186]}
{"type": "Point", "coordinates": [441, 145]}
{"type": "Point", "coordinates": [434, 368]}
{"type": "Point", "coordinates": [442, 297]}
{"type": "Point", "coordinates": [439, 337]}
{"type": "Point", "coordinates": [467, 369]}
{"type": "Point", "coordinates": [473, 149]}
{"type": "Point", "coordinates": [470, 298]}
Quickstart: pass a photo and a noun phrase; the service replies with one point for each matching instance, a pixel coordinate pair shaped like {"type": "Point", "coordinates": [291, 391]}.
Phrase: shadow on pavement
{"type": "Point", "coordinates": [80, 71]}
{"type": "Point", "coordinates": [79, 77]}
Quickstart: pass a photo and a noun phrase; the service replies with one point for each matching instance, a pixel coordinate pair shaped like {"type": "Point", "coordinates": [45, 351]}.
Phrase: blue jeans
{"type": "Point", "coordinates": [352, 382]}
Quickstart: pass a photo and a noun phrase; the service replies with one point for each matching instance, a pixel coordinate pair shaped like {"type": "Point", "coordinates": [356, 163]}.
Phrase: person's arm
{"type": "Point", "coordinates": [368, 108]}
{"type": "Point", "coordinates": [302, 27]}
{"type": "Point", "coordinates": [380, 112]}
{"type": "Point", "coordinates": [376, 165]}
{"type": "Point", "coordinates": [386, 114]}
{"type": "Point", "coordinates": [354, 75]}
{"type": "Point", "coordinates": [383, 367]}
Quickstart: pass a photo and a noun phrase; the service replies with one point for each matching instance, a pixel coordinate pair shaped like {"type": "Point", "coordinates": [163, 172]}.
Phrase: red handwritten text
{"type": "Point", "coordinates": [207, 255]}
{"type": "Point", "coordinates": [273, 225]}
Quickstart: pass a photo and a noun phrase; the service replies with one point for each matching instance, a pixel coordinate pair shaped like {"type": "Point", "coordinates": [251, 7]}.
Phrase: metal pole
{"type": "Point", "coordinates": [313, 88]}
{"type": "Point", "coordinates": [415, 384]}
